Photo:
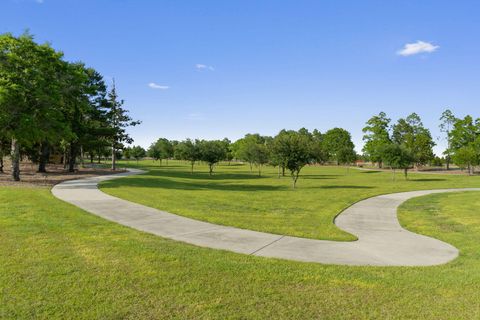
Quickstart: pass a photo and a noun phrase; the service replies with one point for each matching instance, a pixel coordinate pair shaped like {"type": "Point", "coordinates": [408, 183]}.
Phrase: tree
{"type": "Point", "coordinates": [212, 152]}
{"type": "Point", "coordinates": [376, 136]}
{"type": "Point", "coordinates": [188, 150]}
{"type": "Point", "coordinates": [317, 149]}
{"type": "Point", "coordinates": [119, 121]}
{"type": "Point", "coordinates": [466, 157]}
{"type": "Point", "coordinates": [397, 157]}
{"type": "Point", "coordinates": [447, 121]}
{"type": "Point", "coordinates": [127, 153]}
{"type": "Point", "coordinates": [336, 141]}
{"type": "Point", "coordinates": [411, 134]}
{"type": "Point", "coordinates": [292, 149]}
{"type": "Point", "coordinates": [138, 153]}
{"type": "Point", "coordinates": [29, 94]}
{"type": "Point", "coordinates": [346, 156]}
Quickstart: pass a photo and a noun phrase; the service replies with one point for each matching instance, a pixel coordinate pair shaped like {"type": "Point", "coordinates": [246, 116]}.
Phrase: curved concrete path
{"type": "Point", "coordinates": [381, 239]}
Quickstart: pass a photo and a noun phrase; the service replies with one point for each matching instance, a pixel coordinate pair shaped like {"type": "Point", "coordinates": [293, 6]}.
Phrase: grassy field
{"type": "Point", "coordinates": [236, 197]}
{"type": "Point", "coordinates": [57, 261]}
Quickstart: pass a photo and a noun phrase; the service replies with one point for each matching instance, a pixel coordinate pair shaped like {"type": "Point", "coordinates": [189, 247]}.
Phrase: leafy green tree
{"type": "Point", "coordinates": [411, 134]}
{"type": "Point", "coordinates": [127, 153]}
{"type": "Point", "coordinates": [317, 149]}
{"type": "Point", "coordinates": [292, 149]}
{"type": "Point", "coordinates": [467, 157]}
{"type": "Point", "coordinates": [212, 152]}
{"type": "Point", "coordinates": [138, 153]}
{"type": "Point", "coordinates": [337, 141]}
{"type": "Point", "coordinates": [188, 150]}
{"type": "Point", "coordinates": [29, 94]}
{"type": "Point", "coordinates": [376, 136]}
{"type": "Point", "coordinates": [397, 157]}
{"type": "Point", "coordinates": [447, 121]}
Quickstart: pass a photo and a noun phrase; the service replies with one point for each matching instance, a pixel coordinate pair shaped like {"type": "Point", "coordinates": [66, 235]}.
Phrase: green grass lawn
{"type": "Point", "coordinates": [236, 197]}
{"type": "Point", "coordinates": [59, 262]}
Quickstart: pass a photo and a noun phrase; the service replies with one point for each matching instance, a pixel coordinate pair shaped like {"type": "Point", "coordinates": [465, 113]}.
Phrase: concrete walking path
{"type": "Point", "coordinates": [381, 239]}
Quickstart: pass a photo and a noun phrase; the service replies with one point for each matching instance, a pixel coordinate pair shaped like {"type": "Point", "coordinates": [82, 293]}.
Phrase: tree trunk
{"type": "Point", "coordinates": [1, 163]}
{"type": "Point", "coordinates": [259, 171]}
{"type": "Point", "coordinates": [192, 163]}
{"type": "Point", "coordinates": [91, 157]}
{"type": "Point", "coordinates": [393, 178]}
{"type": "Point", "coordinates": [44, 155]}
{"type": "Point", "coordinates": [15, 154]}
{"type": "Point", "coordinates": [405, 172]}
{"type": "Point", "coordinates": [81, 157]}
{"type": "Point", "coordinates": [295, 178]}
{"type": "Point", "coordinates": [279, 171]}
{"type": "Point", "coordinates": [72, 159]}
{"type": "Point", "coordinates": [251, 166]}
{"type": "Point", "coordinates": [447, 161]}
{"type": "Point", "coordinates": [114, 158]}
{"type": "Point", "coordinates": [283, 171]}
{"type": "Point", "coordinates": [210, 166]}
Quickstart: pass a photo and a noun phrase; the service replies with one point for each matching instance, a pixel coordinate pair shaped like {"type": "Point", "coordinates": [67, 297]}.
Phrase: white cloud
{"type": "Point", "coordinates": [411, 49]}
{"type": "Point", "coordinates": [153, 85]}
{"type": "Point", "coordinates": [201, 66]}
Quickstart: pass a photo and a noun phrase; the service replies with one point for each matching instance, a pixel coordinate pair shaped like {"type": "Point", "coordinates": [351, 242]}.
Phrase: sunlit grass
{"type": "Point", "coordinates": [236, 197]}
{"type": "Point", "coordinates": [59, 262]}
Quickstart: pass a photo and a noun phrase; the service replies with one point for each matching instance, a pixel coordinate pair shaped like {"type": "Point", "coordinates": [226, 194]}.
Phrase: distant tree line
{"type": "Point", "coordinates": [408, 144]}
{"type": "Point", "coordinates": [289, 150]}
{"type": "Point", "coordinates": [49, 105]}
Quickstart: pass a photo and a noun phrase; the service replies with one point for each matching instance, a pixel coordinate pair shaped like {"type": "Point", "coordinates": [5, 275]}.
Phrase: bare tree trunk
{"type": "Point", "coordinates": [44, 155]}
{"type": "Point", "coordinates": [81, 157]}
{"type": "Point", "coordinates": [15, 154]}
{"type": "Point", "coordinates": [114, 158]}
{"type": "Point", "coordinates": [72, 158]}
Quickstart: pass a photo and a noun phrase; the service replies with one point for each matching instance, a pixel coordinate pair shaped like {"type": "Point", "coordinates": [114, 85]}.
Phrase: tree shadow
{"type": "Point", "coordinates": [428, 179]}
{"type": "Point", "coordinates": [345, 187]}
{"type": "Point", "coordinates": [204, 175]}
{"type": "Point", "coordinates": [371, 171]}
{"type": "Point", "coordinates": [149, 182]}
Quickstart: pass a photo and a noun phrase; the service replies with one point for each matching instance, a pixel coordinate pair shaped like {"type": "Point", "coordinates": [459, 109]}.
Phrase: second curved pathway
{"type": "Point", "coordinates": [381, 239]}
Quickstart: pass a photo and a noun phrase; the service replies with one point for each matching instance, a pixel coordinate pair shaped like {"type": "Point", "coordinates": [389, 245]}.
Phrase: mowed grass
{"type": "Point", "coordinates": [236, 197]}
{"type": "Point", "coordinates": [59, 262]}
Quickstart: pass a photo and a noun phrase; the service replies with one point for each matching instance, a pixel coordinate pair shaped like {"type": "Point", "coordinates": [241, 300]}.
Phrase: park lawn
{"type": "Point", "coordinates": [236, 197]}
{"type": "Point", "coordinates": [58, 262]}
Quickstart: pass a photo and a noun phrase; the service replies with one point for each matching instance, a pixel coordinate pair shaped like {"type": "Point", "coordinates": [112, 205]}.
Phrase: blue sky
{"type": "Point", "coordinates": [214, 69]}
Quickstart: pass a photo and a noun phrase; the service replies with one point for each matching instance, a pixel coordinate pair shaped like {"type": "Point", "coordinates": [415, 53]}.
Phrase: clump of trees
{"type": "Point", "coordinates": [49, 105]}
{"type": "Point", "coordinates": [403, 145]}
{"type": "Point", "coordinates": [289, 150]}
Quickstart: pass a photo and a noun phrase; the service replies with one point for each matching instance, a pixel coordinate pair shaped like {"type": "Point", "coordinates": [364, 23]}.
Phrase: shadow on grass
{"type": "Point", "coordinates": [345, 187]}
{"type": "Point", "coordinates": [156, 182]}
{"type": "Point", "coordinates": [428, 179]}
{"type": "Point", "coordinates": [204, 175]}
{"type": "Point", "coordinates": [371, 171]}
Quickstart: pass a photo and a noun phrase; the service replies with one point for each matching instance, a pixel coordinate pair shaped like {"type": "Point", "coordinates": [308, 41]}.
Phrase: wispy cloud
{"type": "Point", "coordinates": [200, 66]}
{"type": "Point", "coordinates": [411, 49]}
{"type": "Point", "coordinates": [153, 85]}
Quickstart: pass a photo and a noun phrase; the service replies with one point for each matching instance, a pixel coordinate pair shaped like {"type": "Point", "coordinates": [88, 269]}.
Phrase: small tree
{"type": "Point", "coordinates": [138, 153]}
{"type": "Point", "coordinates": [188, 150]}
{"type": "Point", "coordinates": [212, 152]}
{"type": "Point", "coordinates": [397, 157]}
{"type": "Point", "coordinates": [448, 120]}
{"type": "Point", "coordinates": [466, 157]}
{"type": "Point", "coordinates": [127, 153]}
{"type": "Point", "coordinates": [293, 148]}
